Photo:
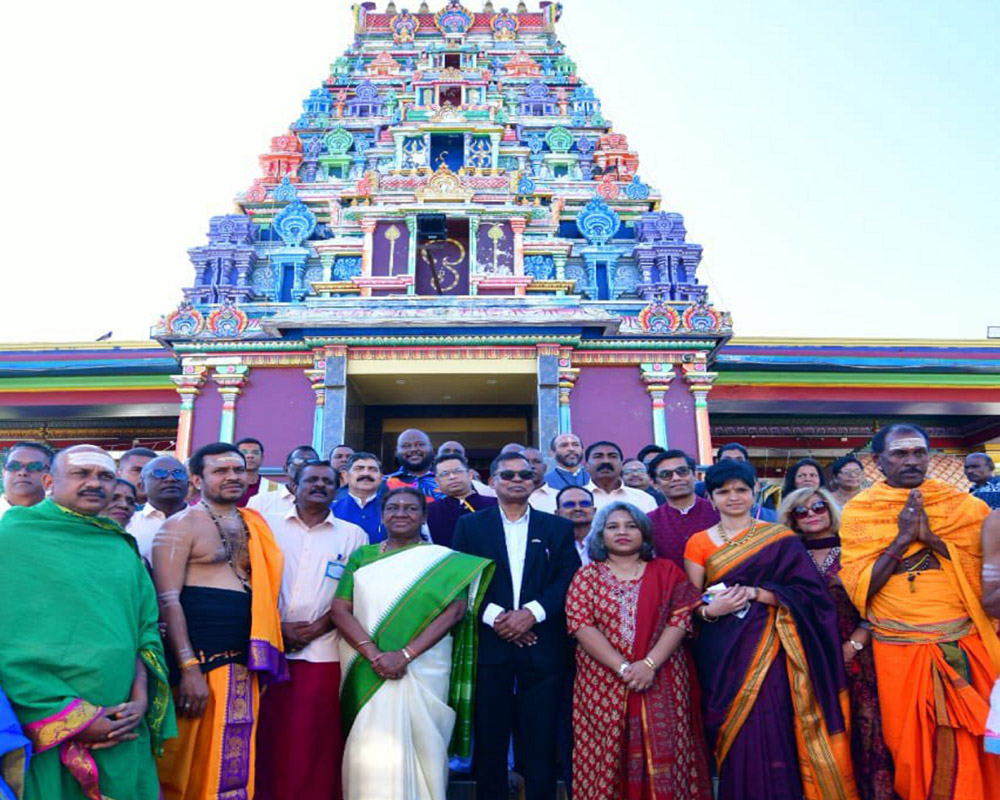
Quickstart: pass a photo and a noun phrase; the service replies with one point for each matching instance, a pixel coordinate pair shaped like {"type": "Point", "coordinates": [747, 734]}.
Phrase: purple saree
{"type": "Point", "coordinates": [773, 682]}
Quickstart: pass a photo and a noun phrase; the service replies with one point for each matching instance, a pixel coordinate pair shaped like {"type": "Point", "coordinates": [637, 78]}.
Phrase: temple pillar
{"type": "Point", "coordinates": [188, 387]}
{"type": "Point", "coordinates": [567, 380]}
{"type": "Point", "coordinates": [700, 381]}
{"type": "Point", "coordinates": [411, 252]}
{"type": "Point", "coordinates": [548, 373]}
{"type": "Point", "coordinates": [317, 380]}
{"type": "Point", "coordinates": [517, 225]}
{"type": "Point", "coordinates": [368, 228]}
{"type": "Point", "coordinates": [560, 263]}
{"type": "Point", "coordinates": [229, 380]}
{"type": "Point", "coordinates": [657, 377]}
{"type": "Point", "coordinates": [334, 397]}
{"type": "Point", "coordinates": [473, 252]}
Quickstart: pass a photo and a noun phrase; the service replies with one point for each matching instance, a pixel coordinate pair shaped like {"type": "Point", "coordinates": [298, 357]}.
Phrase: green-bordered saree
{"type": "Point", "coordinates": [398, 731]}
{"type": "Point", "coordinates": [77, 607]}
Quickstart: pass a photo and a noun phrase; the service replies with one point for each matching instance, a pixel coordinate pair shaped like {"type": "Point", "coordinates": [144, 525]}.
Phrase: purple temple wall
{"type": "Point", "coordinates": [383, 247]}
{"type": "Point", "coordinates": [612, 403]}
{"type": "Point", "coordinates": [681, 427]}
{"type": "Point", "coordinates": [277, 406]}
{"type": "Point", "coordinates": [207, 415]}
{"type": "Point", "coordinates": [504, 246]}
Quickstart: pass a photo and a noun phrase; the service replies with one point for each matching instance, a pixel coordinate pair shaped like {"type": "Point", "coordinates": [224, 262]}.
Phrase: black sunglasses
{"type": "Point", "coordinates": [577, 504]}
{"type": "Point", "coordinates": [510, 474]}
{"type": "Point", "coordinates": [817, 508]}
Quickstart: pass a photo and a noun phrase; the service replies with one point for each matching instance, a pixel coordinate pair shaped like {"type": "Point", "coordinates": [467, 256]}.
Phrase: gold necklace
{"type": "Point", "coordinates": [728, 540]}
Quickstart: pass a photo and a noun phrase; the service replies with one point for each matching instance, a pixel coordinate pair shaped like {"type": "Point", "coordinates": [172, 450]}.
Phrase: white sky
{"type": "Point", "coordinates": [838, 161]}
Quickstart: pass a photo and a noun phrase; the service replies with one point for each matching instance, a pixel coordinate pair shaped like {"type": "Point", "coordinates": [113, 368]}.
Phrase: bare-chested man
{"type": "Point", "coordinates": [218, 571]}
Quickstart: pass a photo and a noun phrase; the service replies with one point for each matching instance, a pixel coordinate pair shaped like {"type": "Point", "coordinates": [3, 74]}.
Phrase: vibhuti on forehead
{"type": "Point", "coordinates": [90, 458]}
{"type": "Point", "coordinates": [909, 443]}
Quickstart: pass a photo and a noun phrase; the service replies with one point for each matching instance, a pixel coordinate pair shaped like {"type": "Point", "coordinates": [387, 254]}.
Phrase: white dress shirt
{"type": "Point", "coordinates": [544, 499]}
{"type": "Point", "coordinates": [626, 494]}
{"type": "Point", "coordinates": [144, 525]}
{"type": "Point", "coordinates": [314, 561]}
{"type": "Point", "coordinates": [515, 534]}
{"type": "Point", "coordinates": [582, 550]}
{"type": "Point", "coordinates": [4, 505]}
{"type": "Point", "coordinates": [272, 498]}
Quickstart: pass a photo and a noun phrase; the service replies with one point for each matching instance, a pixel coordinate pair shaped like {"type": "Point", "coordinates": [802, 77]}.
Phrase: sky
{"type": "Point", "coordinates": [839, 162]}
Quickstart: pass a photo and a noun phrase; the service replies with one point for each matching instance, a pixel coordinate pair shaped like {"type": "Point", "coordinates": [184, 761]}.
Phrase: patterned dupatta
{"type": "Point", "coordinates": [666, 599]}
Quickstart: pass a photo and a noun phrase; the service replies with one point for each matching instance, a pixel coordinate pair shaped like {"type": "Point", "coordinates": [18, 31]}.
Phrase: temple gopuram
{"type": "Point", "coordinates": [453, 236]}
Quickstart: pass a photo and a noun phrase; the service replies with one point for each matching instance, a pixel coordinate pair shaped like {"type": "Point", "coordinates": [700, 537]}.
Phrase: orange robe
{"type": "Point", "coordinates": [213, 756]}
{"type": "Point", "coordinates": [936, 651]}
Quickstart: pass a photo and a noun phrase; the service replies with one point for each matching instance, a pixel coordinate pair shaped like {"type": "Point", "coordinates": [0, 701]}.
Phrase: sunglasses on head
{"type": "Point", "coordinates": [30, 466]}
{"type": "Point", "coordinates": [510, 474]}
{"type": "Point", "coordinates": [176, 474]}
{"type": "Point", "coordinates": [817, 508]}
{"type": "Point", "coordinates": [577, 503]}
{"type": "Point", "coordinates": [667, 474]}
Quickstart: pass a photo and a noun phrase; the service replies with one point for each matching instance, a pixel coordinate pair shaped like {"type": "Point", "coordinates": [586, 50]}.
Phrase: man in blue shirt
{"type": "Point", "coordinates": [979, 470]}
{"type": "Point", "coordinates": [567, 450]}
{"type": "Point", "coordinates": [415, 455]}
{"type": "Point", "coordinates": [361, 502]}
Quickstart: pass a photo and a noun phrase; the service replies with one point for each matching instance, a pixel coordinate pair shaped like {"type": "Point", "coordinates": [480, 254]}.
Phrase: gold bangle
{"type": "Point", "coordinates": [649, 663]}
{"type": "Point", "coordinates": [705, 616]}
{"type": "Point", "coordinates": [191, 662]}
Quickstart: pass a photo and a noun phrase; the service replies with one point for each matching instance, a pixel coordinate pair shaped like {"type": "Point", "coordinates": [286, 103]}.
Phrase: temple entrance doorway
{"type": "Point", "coordinates": [484, 404]}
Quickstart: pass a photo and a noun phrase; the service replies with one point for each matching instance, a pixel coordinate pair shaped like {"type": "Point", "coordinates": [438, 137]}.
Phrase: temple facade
{"type": "Point", "coordinates": [451, 235]}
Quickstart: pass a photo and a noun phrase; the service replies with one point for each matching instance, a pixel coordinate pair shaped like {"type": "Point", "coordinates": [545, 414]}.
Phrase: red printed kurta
{"type": "Point", "coordinates": [615, 755]}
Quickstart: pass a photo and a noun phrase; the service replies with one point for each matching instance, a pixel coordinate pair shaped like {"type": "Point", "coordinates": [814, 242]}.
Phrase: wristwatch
{"type": "Point", "coordinates": [621, 669]}
{"type": "Point", "coordinates": [856, 645]}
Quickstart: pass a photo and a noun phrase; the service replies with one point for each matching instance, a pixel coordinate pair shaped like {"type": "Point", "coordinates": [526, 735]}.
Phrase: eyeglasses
{"type": "Point", "coordinates": [817, 508]}
{"type": "Point", "coordinates": [667, 474]}
{"type": "Point", "coordinates": [177, 474]}
{"type": "Point", "coordinates": [510, 474]}
{"type": "Point", "coordinates": [449, 472]}
{"type": "Point", "coordinates": [577, 504]}
{"type": "Point", "coordinates": [634, 471]}
{"type": "Point", "coordinates": [29, 466]}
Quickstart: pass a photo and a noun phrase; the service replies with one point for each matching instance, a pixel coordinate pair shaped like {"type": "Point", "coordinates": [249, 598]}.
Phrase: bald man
{"type": "Point", "coordinates": [80, 653]}
{"type": "Point", "coordinates": [415, 455]}
{"type": "Point", "coordinates": [165, 484]}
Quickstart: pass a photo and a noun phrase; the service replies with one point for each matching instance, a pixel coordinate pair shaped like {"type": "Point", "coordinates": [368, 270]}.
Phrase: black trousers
{"type": "Point", "coordinates": [520, 699]}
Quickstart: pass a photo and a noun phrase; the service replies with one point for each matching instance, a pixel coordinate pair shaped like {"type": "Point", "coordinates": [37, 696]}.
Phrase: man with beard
{"type": "Point", "coordinates": [165, 483]}
{"type": "Point", "coordinates": [415, 455]}
{"type": "Point", "coordinates": [567, 450]}
{"type": "Point", "coordinates": [218, 571]}
{"type": "Point", "coordinates": [684, 514]}
{"type": "Point", "coordinates": [522, 631]}
{"type": "Point", "coordinates": [130, 467]}
{"type": "Point", "coordinates": [275, 497]}
{"type": "Point", "coordinates": [81, 659]}
{"type": "Point", "coordinates": [26, 475]}
{"type": "Point", "coordinates": [911, 561]}
{"type": "Point", "coordinates": [604, 463]}
{"type": "Point", "coordinates": [299, 742]}
{"type": "Point", "coordinates": [359, 501]}
{"type": "Point", "coordinates": [454, 477]}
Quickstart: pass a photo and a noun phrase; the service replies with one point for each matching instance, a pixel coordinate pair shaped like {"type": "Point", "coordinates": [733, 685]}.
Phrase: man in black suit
{"type": "Point", "coordinates": [522, 631]}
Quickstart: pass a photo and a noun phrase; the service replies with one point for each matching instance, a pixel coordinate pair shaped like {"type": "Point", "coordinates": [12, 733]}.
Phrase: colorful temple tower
{"type": "Point", "coordinates": [453, 236]}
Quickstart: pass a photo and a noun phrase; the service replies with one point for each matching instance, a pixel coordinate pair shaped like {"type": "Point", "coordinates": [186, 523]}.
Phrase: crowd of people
{"type": "Point", "coordinates": [196, 631]}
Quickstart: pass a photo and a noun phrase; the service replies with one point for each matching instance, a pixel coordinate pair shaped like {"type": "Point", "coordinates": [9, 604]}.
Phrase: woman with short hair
{"type": "Point", "coordinates": [806, 472]}
{"type": "Point", "coordinates": [815, 516]}
{"type": "Point", "coordinates": [768, 654]}
{"type": "Point", "coordinates": [637, 733]}
{"type": "Point", "coordinates": [849, 474]}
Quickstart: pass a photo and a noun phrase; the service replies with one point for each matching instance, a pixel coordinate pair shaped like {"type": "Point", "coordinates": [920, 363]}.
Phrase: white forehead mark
{"type": "Point", "coordinates": [91, 458]}
{"type": "Point", "coordinates": [911, 443]}
{"type": "Point", "coordinates": [229, 458]}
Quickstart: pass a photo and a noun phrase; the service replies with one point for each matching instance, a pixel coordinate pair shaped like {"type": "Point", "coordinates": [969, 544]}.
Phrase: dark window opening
{"type": "Point", "coordinates": [602, 281]}
{"type": "Point", "coordinates": [449, 149]}
{"type": "Point", "coordinates": [287, 283]}
{"type": "Point", "coordinates": [453, 61]}
{"type": "Point", "coordinates": [450, 94]}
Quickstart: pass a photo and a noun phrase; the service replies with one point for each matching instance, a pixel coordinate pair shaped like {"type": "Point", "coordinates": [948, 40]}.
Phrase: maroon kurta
{"type": "Point", "coordinates": [672, 528]}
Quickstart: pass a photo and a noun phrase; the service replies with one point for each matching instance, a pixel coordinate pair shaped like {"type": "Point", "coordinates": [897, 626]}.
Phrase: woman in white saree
{"type": "Point", "coordinates": [406, 691]}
